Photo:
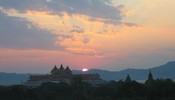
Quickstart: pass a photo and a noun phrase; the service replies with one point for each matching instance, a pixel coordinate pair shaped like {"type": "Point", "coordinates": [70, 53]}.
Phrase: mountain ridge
{"type": "Point", "coordinates": [163, 71]}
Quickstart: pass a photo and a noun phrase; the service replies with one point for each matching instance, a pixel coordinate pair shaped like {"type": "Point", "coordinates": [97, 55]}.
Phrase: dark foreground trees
{"type": "Point", "coordinates": [161, 89]}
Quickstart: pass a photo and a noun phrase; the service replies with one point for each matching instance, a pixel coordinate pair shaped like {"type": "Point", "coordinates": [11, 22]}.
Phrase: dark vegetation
{"type": "Point", "coordinates": [160, 89]}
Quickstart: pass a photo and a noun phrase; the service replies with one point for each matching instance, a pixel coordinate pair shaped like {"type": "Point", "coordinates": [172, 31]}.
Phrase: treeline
{"type": "Point", "coordinates": [160, 89]}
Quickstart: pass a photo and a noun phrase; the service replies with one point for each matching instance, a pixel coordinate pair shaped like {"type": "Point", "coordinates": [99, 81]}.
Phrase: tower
{"type": "Point", "coordinates": [54, 70]}
{"type": "Point", "coordinates": [61, 70]}
{"type": "Point", "coordinates": [128, 79]}
{"type": "Point", "coordinates": [150, 79]}
{"type": "Point", "coordinates": [68, 71]}
{"type": "Point", "coordinates": [150, 76]}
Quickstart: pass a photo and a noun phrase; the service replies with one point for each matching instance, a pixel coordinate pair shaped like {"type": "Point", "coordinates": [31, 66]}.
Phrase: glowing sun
{"type": "Point", "coordinates": [84, 69]}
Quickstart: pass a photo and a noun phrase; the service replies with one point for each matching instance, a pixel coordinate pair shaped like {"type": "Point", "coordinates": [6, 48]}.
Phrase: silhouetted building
{"type": "Point", "coordinates": [61, 71]}
{"type": "Point", "coordinates": [150, 76]}
{"type": "Point", "coordinates": [150, 79]}
{"type": "Point", "coordinates": [62, 75]}
{"type": "Point", "coordinates": [68, 71]}
{"type": "Point", "coordinates": [128, 79]}
{"type": "Point", "coordinates": [54, 70]}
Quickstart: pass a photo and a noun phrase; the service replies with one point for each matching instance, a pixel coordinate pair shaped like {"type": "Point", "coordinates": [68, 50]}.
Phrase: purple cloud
{"type": "Point", "coordinates": [96, 9]}
{"type": "Point", "coordinates": [18, 33]}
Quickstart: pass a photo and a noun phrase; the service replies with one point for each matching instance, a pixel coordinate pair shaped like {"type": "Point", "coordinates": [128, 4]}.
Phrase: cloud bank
{"type": "Point", "coordinates": [95, 9]}
{"type": "Point", "coordinates": [18, 33]}
{"type": "Point", "coordinates": [84, 19]}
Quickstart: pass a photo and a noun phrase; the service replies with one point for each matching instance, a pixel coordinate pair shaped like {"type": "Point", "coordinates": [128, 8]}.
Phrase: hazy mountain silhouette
{"type": "Point", "coordinates": [12, 78]}
{"type": "Point", "coordinates": [163, 71]}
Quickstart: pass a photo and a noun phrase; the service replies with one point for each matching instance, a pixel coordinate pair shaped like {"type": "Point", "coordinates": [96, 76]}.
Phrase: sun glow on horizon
{"type": "Point", "coordinates": [112, 35]}
{"type": "Point", "coordinates": [84, 69]}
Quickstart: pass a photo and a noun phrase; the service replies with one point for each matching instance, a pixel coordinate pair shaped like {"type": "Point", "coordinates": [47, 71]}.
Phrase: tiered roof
{"type": "Point", "coordinates": [54, 70]}
{"type": "Point", "coordinates": [68, 71]}
{"type": "Point", "coordinates": [63, 75]}
{"type": "Point", "coordinates": [61, 70]}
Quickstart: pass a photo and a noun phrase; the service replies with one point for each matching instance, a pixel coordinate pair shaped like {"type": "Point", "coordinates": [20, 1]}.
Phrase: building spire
{"type": "Point", "coordinates": [61, 67]}
{"type": "Point", "coordinates": [150, 79]}
{"type": "Point", "coordinates": [67, 70]}
{"type": "Point", "coordinates": [128, 78]}
{"type": "Point", "coordinates": [150, 76]}
{"type": "Point", "coordinates": [54, 70]}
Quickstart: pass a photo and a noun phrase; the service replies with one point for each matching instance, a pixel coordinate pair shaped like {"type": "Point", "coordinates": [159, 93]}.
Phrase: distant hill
{"type": "Point", "coordinates": [136, 74]}
{"type": "Point", "coordinates": [12, 78]}
{"type": "Point", "coordinates": [163, 71]}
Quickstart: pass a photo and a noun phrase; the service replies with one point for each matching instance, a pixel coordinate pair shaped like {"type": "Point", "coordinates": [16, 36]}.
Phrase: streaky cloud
{"type": "Point", "coordinates": [96, 9]}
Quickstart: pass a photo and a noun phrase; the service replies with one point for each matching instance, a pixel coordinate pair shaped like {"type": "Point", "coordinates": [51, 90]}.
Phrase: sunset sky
{"type": "Point", "coordinates": [113, 35]}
